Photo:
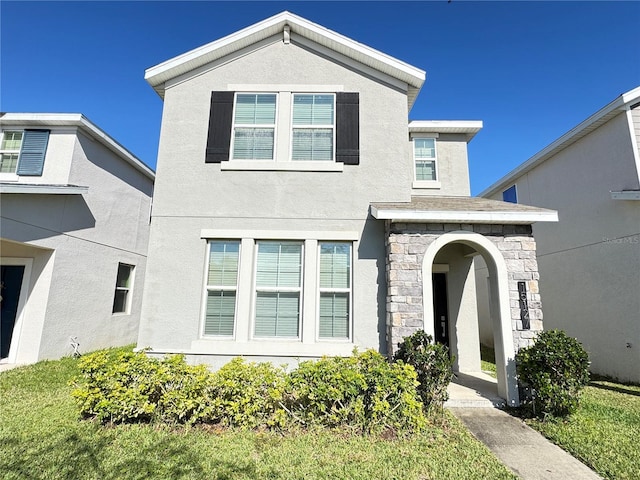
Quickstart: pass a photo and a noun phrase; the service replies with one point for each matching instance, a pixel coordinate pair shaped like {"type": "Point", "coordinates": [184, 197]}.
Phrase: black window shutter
{"type": "Point", "coordinates": [348, 128]}
{"type": "Point", "coordinates": [32, 152]}
{"type": "Point", "coordinates": [220, 120]}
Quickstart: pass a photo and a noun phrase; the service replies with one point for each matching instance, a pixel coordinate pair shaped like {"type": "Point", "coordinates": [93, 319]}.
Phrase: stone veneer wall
{"type": "Point", "coordinates": [406, 246]}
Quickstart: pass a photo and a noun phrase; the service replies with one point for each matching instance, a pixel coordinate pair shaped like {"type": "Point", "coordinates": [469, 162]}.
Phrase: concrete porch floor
{"type": "Point", "coordinates": [473, 390]}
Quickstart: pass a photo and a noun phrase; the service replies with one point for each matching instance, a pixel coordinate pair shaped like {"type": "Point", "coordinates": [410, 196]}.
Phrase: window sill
{"type": "Point", "coordinates": [9, 177]}
{"type": "Point", "coordinates": [272, 348]}
{"type": "Point", "coordinates": [426, 184]}
{"type": "Point", "coordinates": [268, 165]}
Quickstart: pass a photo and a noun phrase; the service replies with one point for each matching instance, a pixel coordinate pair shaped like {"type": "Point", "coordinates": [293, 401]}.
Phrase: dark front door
{"type": "Point", "coordinates": [10, 284]}
{"type": "Point", "coordinates": [440, 310]}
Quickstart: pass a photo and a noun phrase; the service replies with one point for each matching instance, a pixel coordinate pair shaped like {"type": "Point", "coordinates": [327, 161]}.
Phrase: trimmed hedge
{"type": "Point", "coordinates": [363, 391]}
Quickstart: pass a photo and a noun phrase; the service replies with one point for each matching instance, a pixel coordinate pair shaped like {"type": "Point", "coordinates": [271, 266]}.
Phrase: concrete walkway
{"type": "Point", "coordinates": [473, 398]}
{"type": "Point", "coordinates": [519, 447]}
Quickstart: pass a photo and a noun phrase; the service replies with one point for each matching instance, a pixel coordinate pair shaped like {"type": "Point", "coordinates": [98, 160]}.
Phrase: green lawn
{"type": "Point", "coordinates": [41, 437]}
{"type": "Point", "coordinates": [605, 431]}
{"type": "Point", "coordinates": [487, 360]}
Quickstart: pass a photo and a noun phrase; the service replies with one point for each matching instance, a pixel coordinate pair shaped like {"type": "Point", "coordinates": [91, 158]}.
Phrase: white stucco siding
{"type": "Point", "coordinates": [186, 184]}
{"type": "Point", "coordinates": [590, 260]}
{"type": "Point", "coordinates": [453, 166]}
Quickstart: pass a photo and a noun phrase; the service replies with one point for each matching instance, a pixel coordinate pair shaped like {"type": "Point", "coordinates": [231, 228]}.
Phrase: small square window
{"type": "Point", "coordinates": [124, 285]}
{"type": "Point", "coordinates": [510, 195]}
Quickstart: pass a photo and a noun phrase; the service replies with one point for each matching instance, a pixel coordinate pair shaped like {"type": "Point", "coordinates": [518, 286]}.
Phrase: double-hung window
{"type": "Point", "coordinates": [10, 151]}
{"type": "Point", "coordinates": [313, 127]}
{"type": "Point", "coordinates": [424, 155]}
{"type": "Point", "coordinates": [254, 126]}
{"type": "Point", "coordinates": [222, 283]}
{"type": "Point", "coordinates": [335, 290]}
{"type": "Point", "coordinates": [278, 289]}
{"type": "Point", "coordinates": [124, 284]}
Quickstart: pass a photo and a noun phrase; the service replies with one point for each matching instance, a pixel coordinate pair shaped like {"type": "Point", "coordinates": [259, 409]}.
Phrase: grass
{"type": "Point", "coordinates": [41, 437]}
{"type": "Point", "coordinates": [488, 360]}
{"type": "Point", "coordinates": [605, 430]}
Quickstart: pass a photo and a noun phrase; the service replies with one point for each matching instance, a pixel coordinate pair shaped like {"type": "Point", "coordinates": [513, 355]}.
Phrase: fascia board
{"type": "Point", "coordinates": [43, 189]}
{"type": "Point", "coordinates": [463, 217]}
{"type": "Point", "coordinates": [200, 56]}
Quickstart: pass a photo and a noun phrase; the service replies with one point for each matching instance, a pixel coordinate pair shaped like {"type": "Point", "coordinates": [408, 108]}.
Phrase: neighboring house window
{"type": "Point", "coordinates": [313, 127]}
{"type": "Point", "coordinates": [278, 289]}
{"type": "Point", "coordinates": [510, 195]}
{"type": "Point", "coordinates": [335, 290]}
{"type": "Point", "coordinates": [424, 154]}
{"type": "Point", "coordinates": [9, 151]}
{"type": "Point", "coordinates": [23, 152]}
{"type": "Point", "coordinates": [222, 283]}
{"type": "Point", "coordinates": [254, 126]}
{"type": "Point", "coordinates": [124, 284]}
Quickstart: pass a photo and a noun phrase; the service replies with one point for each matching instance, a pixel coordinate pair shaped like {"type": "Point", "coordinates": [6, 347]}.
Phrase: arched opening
{"type": "Point", "coordinates": [453, 253]}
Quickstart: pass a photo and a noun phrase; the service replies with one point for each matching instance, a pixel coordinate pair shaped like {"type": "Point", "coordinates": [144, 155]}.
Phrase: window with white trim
{"type": "Point", "coordinates": [424, 155]}
{"type": "Point", "coordinates": [222, 284]}
{"type": "Point", "coordinates": [10, 151]}
{"type": "Point", "coordinates": [510, 195]}
{"type": "Point", "coordinates": [278, 289]}
{"type": "Point", "coordinates": [124, 286]}
{"type": "Point", "coordinates": [254, 126]}
{"type": "Point", "coordinates": [334, 318]}
{"type": "Point", "coordinates": [313, 127]}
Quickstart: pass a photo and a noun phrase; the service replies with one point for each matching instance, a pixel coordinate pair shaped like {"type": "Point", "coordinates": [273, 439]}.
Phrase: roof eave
{"type": "Point", "coordinates": [469, 217]}
{"type": "Point", "coordinates": [606, 113]}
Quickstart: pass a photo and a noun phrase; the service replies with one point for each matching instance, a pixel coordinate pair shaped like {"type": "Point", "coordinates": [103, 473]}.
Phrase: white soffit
{"type": "Point", "coordinates": [43, 189]}
{"type": "Point", "coordinates": [403, 215]}
{"type": "Point", "coordinates": [602, 116]}
{"type": "Point", "coordinates": [156, 76]}
{"type": "Point", "coordinates": [28, 120]}
{"type": "Point", "coordinates": [467, 127]}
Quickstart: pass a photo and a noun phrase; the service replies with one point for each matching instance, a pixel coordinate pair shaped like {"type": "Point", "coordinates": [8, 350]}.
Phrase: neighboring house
{"type": "Point", "coordinates": [590, 260]}
{"type": "Point", "coordinates": [298, 213]}
{"type": "Point", "coordinates": [74, 227]}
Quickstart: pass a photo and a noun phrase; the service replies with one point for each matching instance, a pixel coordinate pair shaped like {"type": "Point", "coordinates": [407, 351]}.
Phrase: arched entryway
{"type": "Point", "coordinates": [451, 254]}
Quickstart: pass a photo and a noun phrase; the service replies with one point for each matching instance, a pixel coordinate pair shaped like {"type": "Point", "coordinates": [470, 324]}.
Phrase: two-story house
{"type": "Point", "coordinates": [590, 260]}
{"type": "Point", "coordinates": [298, 213]}
{"type": "Point", "coordinates": [74, 227]}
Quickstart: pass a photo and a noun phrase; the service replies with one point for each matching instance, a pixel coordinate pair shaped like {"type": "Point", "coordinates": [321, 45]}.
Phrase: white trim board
{"type": "Point", "coordinates": [279, 235]}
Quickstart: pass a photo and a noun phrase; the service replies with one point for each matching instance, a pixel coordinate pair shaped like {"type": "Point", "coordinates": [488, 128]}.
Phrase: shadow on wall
{"type": "Point", "coordinates": [26, 218]}
{"type": "Point", "coordinates": [372, 246]}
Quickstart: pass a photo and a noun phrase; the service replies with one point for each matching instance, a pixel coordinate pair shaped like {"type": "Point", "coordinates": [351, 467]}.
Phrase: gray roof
{"type": "Point", "coordinates": [461, 210]}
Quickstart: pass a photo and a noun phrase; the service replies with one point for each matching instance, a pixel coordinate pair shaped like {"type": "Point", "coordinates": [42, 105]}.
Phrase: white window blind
{"type": "Point", "coordinates": [254, 126]}
{"type": "Point", "coordinates": [222, 283]}
{"type": "Point", "coordinates": [335, 289]}
{"type": "Point", "coordinates": [313, 127]}
{"type": "Point", "coordinates": [278, 288]}
{"type": "Point", "coordinates": [425, 158]}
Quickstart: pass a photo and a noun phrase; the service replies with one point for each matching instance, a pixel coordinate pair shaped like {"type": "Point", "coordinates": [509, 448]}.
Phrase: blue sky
{"type": "Point", "coordinates": [530, 70]}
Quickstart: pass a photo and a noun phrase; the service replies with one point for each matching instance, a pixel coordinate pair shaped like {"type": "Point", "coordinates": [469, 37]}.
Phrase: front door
{"type": "Point", "coordinates": [440, 309]}
{"type": "Point", "coordinates": [10, 285]}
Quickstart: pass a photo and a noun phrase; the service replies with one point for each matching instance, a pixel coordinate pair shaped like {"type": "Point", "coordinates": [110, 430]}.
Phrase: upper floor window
{"type": "Point", "coordinates": [510, 195]}
{"type": "Point", "coordinates": [284, 130]}
{"type": "Point", "coordinates": [22, 152]}
{"type": "Point", "coordinates": [424, 155]}
{"type": "Point", "coordinates": [9, 151]}
{"type": "Point", "coordinates": [313, 127]}
{"type": "Point", "coordinates": [254, 127]}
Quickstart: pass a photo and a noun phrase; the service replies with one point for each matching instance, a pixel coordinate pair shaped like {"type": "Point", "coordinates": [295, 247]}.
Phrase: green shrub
{"type": "Point", "coordinates": [363, 391]}
{"type": "Point", "coordinates": [125, 387]}
{"type": "Point", "coordinates": [247, 394]}
{"type": "Point", "coordinates": [432, 364]}
{"type": "Point", "coordinates": [556, 368]}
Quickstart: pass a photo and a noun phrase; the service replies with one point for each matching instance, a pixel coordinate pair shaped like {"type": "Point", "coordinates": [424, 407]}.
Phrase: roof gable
{"type": "Point", "coordinates": [299, 30]}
